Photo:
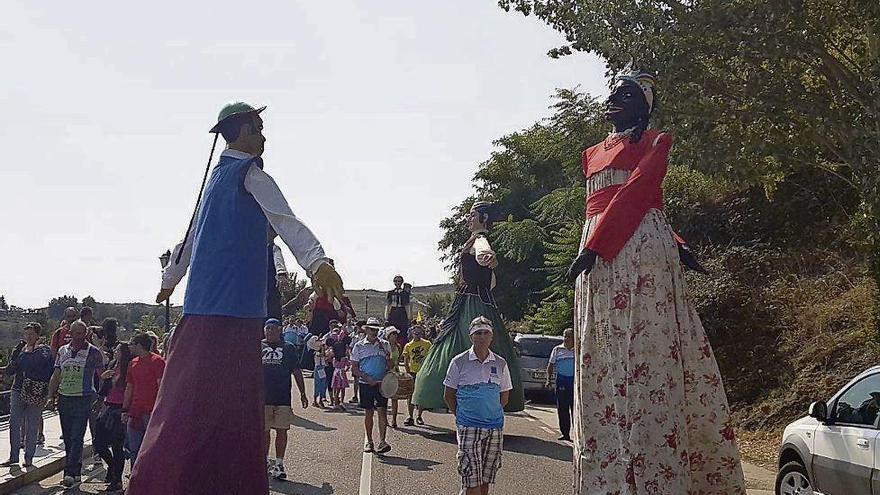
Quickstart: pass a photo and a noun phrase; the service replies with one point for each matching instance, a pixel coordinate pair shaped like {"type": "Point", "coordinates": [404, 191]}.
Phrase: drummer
{"type": "Point", "coordinates": [391, 334]}
{"type": "Point", "coordinates": [371, 360]}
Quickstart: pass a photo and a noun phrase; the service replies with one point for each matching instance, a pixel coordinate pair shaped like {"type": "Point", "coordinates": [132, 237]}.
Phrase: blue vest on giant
{"type": "Point", "coordinates": [228, 269]}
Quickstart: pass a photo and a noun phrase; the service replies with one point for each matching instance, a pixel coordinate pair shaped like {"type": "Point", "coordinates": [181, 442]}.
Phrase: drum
{"type": "Point", "coordinates": [389, 386]}
{"type": "Point", "coordinates": [405, 386]}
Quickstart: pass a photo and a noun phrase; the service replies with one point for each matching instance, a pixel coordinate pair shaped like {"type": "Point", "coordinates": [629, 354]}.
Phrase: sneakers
{"type": "Point", "coordinates": [383, 447]}
{"type": "Point", "coordinates": [9, 463]}
{"type": "Point", "coordinates": [420, 421]}
{"type": "Point", "coordinates": [368, 447]}
{"type": "Point", "coordinates": [564, 438]}
{"type": "Point", "coordinates": [279, 471]}
{"type": "Point", "coordinates": [408, 422]}
{"type": "Point", "coordinates": [273, 470]}
{"type": "Point", "coordinates": [67, 482]}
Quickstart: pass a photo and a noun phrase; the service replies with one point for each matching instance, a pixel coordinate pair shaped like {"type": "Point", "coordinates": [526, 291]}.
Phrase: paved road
{"type": "Point", "coordinates": [324, 457]}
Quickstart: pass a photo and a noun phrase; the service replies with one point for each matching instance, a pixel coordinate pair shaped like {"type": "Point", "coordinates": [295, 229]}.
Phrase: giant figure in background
{"type": "Point", "coordinates": [474, 298]}
{"type": "Point", "coordinates": [205, 435]}
{"type": "Point", "coordinates": [651, 415]}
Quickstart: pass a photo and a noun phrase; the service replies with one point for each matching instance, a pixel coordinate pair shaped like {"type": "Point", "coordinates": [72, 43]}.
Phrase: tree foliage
{"type": "Point", "coordinates": [57, 305]}
{"type": "Point", "coordinates": [754, 90]}
{"type": "Point", "coordinates": [535, 178]}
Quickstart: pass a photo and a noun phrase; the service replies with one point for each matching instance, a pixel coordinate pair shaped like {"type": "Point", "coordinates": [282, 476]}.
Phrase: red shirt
{"type": "Point", "coordinates": [144, 375]}
{"type": "Point", "coordinates": [624, 206]}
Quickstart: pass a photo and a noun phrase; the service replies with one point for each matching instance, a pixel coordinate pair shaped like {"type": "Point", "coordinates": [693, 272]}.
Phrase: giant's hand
{"type": "Point", "coordinates": [689, 260]}
{"type": "Point", "coordinates": [582, 264]}
{"type": "Point", "coordinates": [163, 295]}
{"type": "Point", "coordinates": [327, 281]}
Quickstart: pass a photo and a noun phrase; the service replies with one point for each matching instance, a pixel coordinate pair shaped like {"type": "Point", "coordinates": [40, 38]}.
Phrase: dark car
{"type": "Point", "coordinates": [534, 354]}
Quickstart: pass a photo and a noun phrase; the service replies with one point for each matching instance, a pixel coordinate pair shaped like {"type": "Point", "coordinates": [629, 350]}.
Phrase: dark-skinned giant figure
{"type": "Point", "coordinates": [651, 415]}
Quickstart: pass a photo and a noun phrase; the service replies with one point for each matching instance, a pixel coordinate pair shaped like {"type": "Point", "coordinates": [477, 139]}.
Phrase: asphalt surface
{"type": "Point", "coordinates": [324, 457]}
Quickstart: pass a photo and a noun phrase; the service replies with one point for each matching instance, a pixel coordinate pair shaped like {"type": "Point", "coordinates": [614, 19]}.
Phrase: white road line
{"type": "Point", "coordinates": [366, 472]}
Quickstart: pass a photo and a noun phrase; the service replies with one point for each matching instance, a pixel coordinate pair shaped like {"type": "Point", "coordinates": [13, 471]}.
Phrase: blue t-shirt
{"type": "Point", "coordinates": [478, 386]}
{"type": "Point", "coordinates": [279, 361]}
{"type": "Point", "coordinates": [563, 358]}
{"type": "Point", "coordinates": [479, 406]}
{"type": "Point", "coordinates": [372, 358]}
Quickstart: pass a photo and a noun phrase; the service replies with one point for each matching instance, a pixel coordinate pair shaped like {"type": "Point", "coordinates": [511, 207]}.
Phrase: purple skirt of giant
{"type": "Point", "coordinates": [206, 432]}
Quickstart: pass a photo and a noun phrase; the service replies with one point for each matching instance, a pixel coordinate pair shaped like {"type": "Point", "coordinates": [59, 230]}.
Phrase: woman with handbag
{"type": "Point", "coordinates": [109, 429]}
{"type": "Point", "coordinates": [31, 366]}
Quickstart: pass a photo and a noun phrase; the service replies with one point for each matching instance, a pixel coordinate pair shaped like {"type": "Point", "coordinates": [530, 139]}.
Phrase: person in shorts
{"type": "Point", "coordinates": [477, 387]}
{"type": "Point", "coordinates": [370, 360]}
{"type": "Point", "coordinates": [414, 353]}
{"type": "Point", "coordinates": [280, 361]}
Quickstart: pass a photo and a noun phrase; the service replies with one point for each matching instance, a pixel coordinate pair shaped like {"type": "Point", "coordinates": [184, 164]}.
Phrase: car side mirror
{"type": "Point", "coordinates": [819, 410]}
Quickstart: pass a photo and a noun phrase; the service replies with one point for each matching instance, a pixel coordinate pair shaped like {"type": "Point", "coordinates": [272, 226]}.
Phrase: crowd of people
{"type": "Point", "coordinates": [95, 381]}
{"type": "Point", "coordinates": [622, 380]}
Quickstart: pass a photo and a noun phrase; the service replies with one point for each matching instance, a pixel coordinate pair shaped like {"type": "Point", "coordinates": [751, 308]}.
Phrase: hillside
{"type": "Point", "coordinates": [371, 302]}
{"type": "Point", "coordinates": [134, 315]}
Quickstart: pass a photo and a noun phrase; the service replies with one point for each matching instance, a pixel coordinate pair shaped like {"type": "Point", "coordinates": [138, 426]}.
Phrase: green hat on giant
{"type": "Point", "coordinates": [235, 109]}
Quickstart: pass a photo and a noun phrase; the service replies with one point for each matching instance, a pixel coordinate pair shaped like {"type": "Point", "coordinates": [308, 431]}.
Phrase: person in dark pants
{"type": "Point", "coordinates": [109, 429]}
{"type": "Point", "coordinates": [72, 388]}
{"type": "Point", "coordinates": [562, 362]}
{"type": "Point", "coordinates": [30, 363]}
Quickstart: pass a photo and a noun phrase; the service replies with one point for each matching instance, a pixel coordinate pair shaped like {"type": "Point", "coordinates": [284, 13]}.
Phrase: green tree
{"type": "Point", "coordinates": [530, 174]}
{"type": "Point", "coordinates": [149, 322]}
{"type": "Point", "coordinates": [437, 304]}
{"type": "Point", "coordinates": [57, 305]}
{"type": "Point", "coordinates": [753, 90]}
{"type": "Point", "coordinates": [90, 302]}
{"type": "Point", "coordinates": [3, 305]}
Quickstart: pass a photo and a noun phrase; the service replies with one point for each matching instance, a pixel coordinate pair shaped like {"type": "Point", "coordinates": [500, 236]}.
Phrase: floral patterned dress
{"type": "Point", "coordinates": [651, 414]}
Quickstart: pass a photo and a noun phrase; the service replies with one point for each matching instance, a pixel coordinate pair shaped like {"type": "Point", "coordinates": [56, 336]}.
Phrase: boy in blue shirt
{"type": "Point", "coordinates": [477, 389]}
{"type": "Point", "coordinates": [562, 362]}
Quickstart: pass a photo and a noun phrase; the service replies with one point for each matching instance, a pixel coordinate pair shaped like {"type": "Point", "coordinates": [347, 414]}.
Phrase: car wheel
{"type": "Point", "coordinates": [793, 480]}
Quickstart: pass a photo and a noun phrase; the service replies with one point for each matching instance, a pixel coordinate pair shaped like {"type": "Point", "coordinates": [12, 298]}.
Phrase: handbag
{"type": "Point", "coordinates": [34, 392]}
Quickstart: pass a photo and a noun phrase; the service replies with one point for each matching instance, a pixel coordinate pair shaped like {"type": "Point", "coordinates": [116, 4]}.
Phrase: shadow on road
{"type": "Point", "coordinates": [296, 488]}
{"type": "Point", "coordinates": [537, 447]}
{"type": "Point", "coordinates": [310, 425]}
{"type": "Point", "coordinates": [436, 434]}
{"type": "Point", "coordinates": [411, 464]}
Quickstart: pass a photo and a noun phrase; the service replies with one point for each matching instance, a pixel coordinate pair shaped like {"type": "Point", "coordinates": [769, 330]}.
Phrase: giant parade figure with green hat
{"type": "Point", "coordinates": [205, 435]}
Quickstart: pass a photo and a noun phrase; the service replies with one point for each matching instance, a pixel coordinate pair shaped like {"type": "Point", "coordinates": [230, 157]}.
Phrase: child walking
{"type": "Point", "coordinates": [340, 379]}
{"type": "Point", "coordinates": [319, 375]}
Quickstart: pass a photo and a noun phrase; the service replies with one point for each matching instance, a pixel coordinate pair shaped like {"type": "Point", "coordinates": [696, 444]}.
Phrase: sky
{"type": "Point", "coordinates": [379, 113]}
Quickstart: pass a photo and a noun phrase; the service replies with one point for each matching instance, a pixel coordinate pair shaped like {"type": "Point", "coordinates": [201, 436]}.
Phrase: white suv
{"type": "Point", "coordinates": [835, 450]}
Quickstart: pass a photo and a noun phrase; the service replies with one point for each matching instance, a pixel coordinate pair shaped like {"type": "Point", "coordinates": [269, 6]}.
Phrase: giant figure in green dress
{"type": "Point", "coordinates": [474, 298]}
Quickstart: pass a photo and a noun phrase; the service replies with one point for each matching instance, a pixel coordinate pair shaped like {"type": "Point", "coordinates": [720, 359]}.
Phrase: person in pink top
{"type": "Point", "coordinates": [109, 429]}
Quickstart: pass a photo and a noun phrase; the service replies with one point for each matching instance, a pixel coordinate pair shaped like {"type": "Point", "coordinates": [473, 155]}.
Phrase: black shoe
{"type": "Point", "coordinates": [114, 487]}
{"type": "Point", "coordinates": [9, 463]}
{"type": "Point", "coordinates": [408, 422]}
{"type": "Point", "coordinates": [564, 438]}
